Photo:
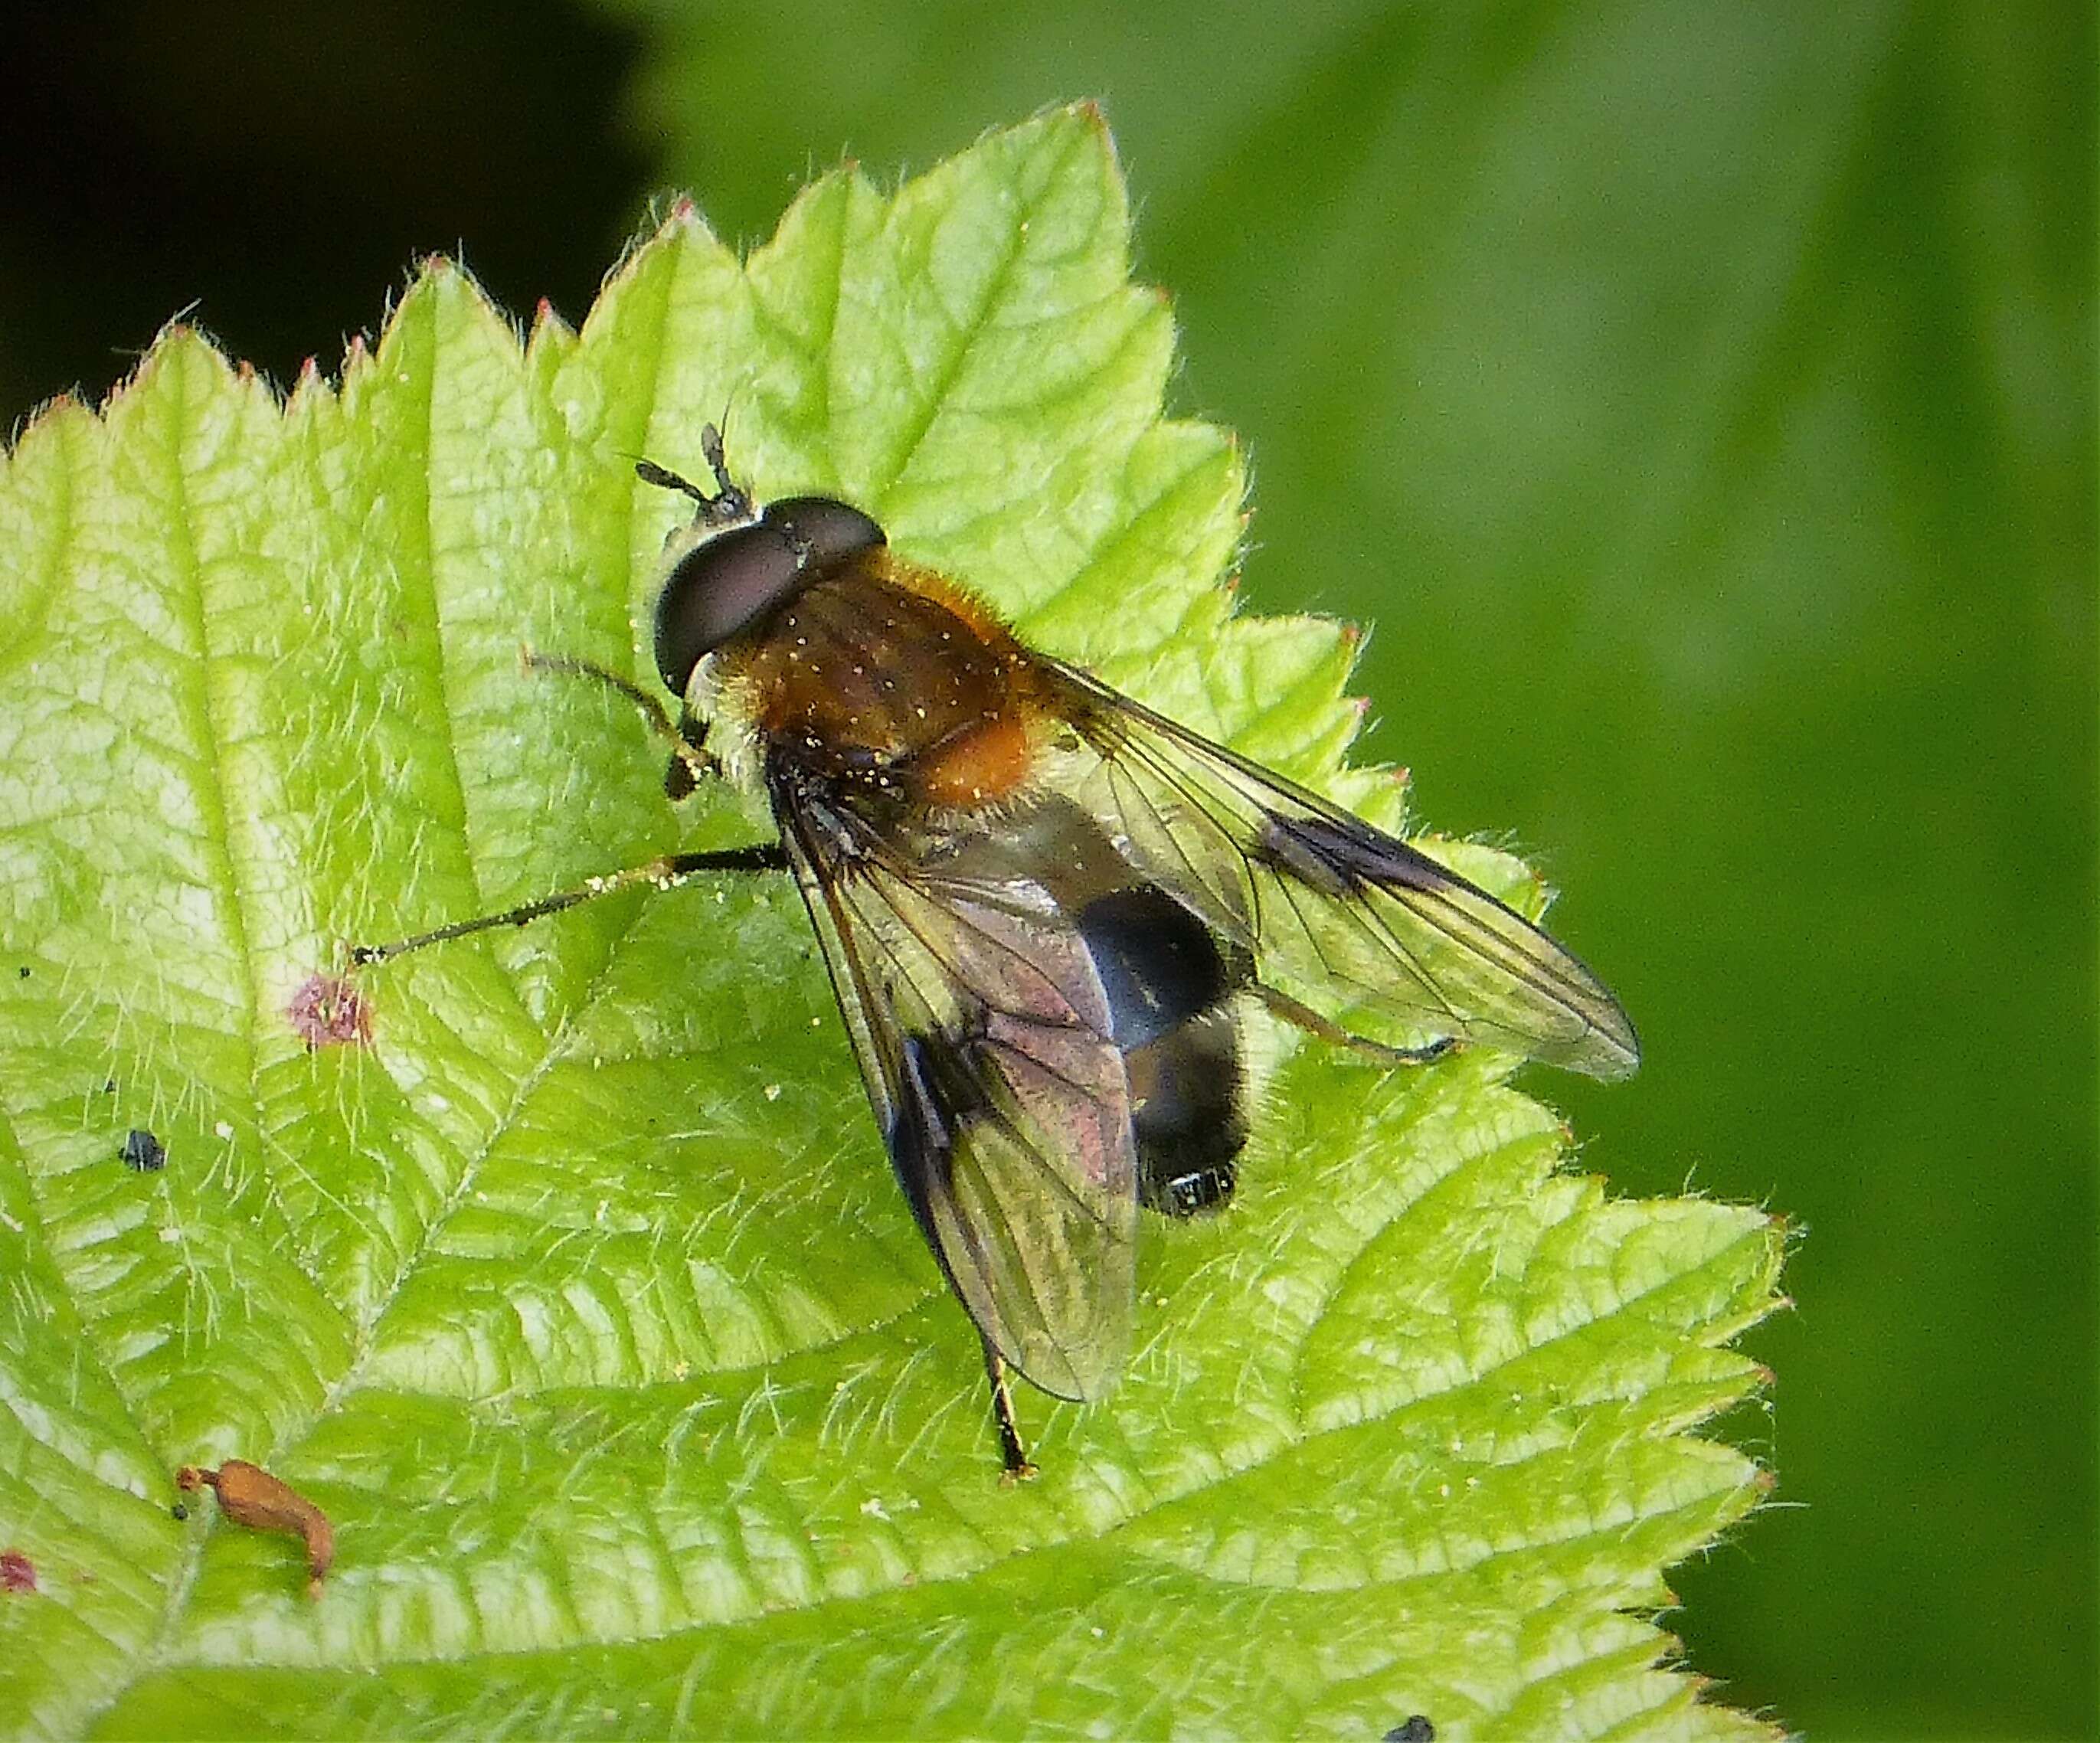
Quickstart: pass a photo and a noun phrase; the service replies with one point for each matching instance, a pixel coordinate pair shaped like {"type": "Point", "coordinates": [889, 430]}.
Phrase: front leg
{"type": "Point", "coordinates": [691, 761]}
{"type": "Point", "coordinates": [665, 871]}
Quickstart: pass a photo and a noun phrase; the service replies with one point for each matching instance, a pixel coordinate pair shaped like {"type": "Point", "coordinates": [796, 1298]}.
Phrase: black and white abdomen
{"type": "Point", "coordinates": [1169, 984]}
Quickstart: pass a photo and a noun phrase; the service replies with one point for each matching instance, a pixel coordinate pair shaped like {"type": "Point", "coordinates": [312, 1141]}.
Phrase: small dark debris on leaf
{"type": "Point", "coordinates": [1414, 1729]}
{"type": "Point", "coordinates": [142, 1153]}
{"type": "Point", "coordinates": [23, 973]}
{"type": "Point", "coordinates": [17, 1572]}
{"type": "Point", "coordinates": [250, 1496]}
{"type": "Point", "coordinates": [327, 1011]}
{"type": "Point", "coordinates": [181, 1510]}
{"type": "Point", "coordinates": [109, 1086]}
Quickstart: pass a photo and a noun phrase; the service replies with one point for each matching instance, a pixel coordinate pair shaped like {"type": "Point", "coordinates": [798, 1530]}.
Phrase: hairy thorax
{"type": "Point", "coordinates": [884, 679]}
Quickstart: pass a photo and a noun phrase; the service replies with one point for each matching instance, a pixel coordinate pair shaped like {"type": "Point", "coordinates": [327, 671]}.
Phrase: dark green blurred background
{"type": "Point", "coordinates": [1699, 401]}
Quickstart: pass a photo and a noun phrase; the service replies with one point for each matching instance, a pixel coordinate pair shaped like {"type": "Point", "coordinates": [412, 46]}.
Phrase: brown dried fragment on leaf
{"type": "Point", "coordinates": [17, 1572]}
{"type": "Point", "coordinates": [250, 1496]}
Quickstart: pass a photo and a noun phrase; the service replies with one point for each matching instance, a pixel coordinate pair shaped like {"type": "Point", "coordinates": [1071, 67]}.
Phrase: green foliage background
{"type": "Point", "coordinates": [1699, 401]}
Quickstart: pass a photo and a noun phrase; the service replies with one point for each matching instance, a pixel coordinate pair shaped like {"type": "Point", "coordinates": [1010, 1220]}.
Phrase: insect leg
{"type": "Point", "coordinates": [1019, 1467]}
{"type": "Point", "coordinates": [690, 762]}
{"type": "Point", "coordinates": [1304, 1017]}
{"type": "Point", "coordinates": [665, 870]}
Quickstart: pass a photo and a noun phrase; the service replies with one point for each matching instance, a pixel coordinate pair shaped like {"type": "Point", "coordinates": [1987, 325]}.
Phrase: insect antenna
{"type": "Point", "coordinates": [731, 502]}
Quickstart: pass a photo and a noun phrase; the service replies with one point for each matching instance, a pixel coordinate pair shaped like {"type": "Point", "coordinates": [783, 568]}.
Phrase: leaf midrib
{"type": "Point", "coordinates": [933, 396]}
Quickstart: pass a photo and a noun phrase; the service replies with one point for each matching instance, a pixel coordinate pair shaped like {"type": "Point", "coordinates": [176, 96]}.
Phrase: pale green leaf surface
{"type": "Point", "coordinates": [581, 1296]}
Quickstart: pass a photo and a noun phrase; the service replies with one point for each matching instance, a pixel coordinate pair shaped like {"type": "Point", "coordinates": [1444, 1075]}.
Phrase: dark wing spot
{"type": "Point", "coordinates": [934, 1091]}
{"type": "Point", "coordinates": [1339, 860]}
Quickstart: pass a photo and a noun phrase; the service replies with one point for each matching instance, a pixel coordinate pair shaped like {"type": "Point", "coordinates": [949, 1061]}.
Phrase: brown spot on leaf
{"type": "Point", "coordinates": [17, 1572]}
{"type": "Point", "coordinates": [328, 1011]}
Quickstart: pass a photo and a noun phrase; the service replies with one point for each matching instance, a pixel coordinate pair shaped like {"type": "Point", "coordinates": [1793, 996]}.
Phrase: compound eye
{"type": "Point", "coordinates": [828, 530]}
{"type": "Point", "coordinates": [723, 586]}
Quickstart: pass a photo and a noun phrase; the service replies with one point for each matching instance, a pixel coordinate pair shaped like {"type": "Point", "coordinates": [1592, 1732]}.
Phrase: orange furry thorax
{"type": "Point", "coordinates": [887, 676]}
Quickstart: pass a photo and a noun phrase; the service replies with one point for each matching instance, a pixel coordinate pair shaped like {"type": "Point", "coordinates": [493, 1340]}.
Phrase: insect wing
{"type": "Point", "coordinates": [981, 1032]}
{"type": "Point", "coordinates": [1339, 915]}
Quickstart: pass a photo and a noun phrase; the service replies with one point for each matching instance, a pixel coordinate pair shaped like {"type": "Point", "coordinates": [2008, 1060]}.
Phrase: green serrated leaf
{"type": "Point", "coordinates": [578, 1293]}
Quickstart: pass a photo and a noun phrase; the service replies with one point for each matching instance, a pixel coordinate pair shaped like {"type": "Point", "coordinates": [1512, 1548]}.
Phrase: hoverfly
{"type": "Point", "coordinates": [1044, 908]}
